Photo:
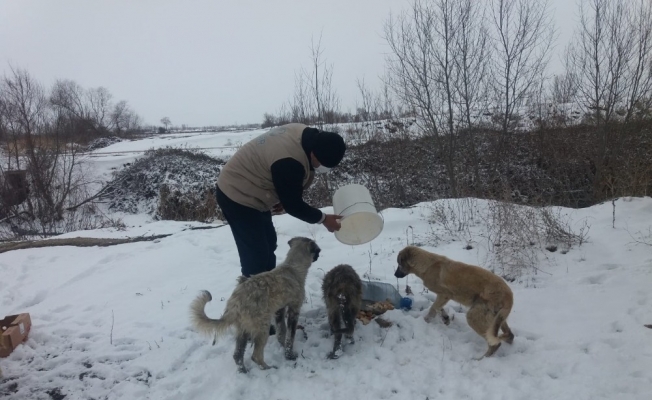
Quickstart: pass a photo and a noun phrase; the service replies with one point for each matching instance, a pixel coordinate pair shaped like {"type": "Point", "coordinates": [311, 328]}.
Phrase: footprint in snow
{"type": "Point", "coordinates": [36, 299]}
{"type": "Point", "coordinates": [594, 280]}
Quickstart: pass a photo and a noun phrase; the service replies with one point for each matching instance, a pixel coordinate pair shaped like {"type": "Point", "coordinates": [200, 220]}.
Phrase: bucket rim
{"type": "Point", "coordinates": [382, 226]}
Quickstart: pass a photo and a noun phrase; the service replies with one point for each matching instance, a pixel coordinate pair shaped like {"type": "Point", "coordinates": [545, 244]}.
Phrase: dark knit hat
{"type": "Point", "coordinates": [329, 148]}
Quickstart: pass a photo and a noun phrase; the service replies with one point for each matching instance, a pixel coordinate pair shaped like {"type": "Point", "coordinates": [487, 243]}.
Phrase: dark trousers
{"type": "Point", "coordinates": [254, 235]}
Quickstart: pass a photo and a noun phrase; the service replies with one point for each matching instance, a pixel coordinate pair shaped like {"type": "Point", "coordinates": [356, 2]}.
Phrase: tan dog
{"type": "Point", "coordinates": [490, 299]}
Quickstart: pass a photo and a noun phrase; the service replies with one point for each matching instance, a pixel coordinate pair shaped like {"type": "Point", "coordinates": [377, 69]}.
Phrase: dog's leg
{"type": "Point", "coordinates": [438, 305]}
{"type": "Point", "coordinates": [508, 335]}
{"type": "Point", "coordinates": [480, 318]}
{"type": "Point", "coordinates": [350, 338]}
{"type": "Point", "coordinates": [496, 321]}
{"type": "Point", "coordinates": [337, 347]}
{"type": "Point", "coordinates": [491, 350]}
{"type": "Point", "coordinates": [349, 316]}
{"type": "Point", "coordinates": [293, 320]}
{"type": "Point", "coordinates": [334, 322]}
{"type": "Point", "coordinates": [240, 346]}
{"type": "Point", "coordinates": [280, 326]}
{"type": "Point", "coordinates": [260, 340]}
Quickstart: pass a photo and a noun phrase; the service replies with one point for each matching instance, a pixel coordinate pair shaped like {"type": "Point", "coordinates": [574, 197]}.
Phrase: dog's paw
{"type": "Point", "coordinates": [242, 369]}
{"type": "Point", "coordinates": [446, 319]}
{"type": "Point", "coordinates": [334, 355]}
{"type": "Point", "coordinates": [428, 319]}
{"type": "Point", "coordinates": [507, 337]}
{"type": "Point", "coordinates": [492, 349]}
{"type": "Point", "coordinates": [291, 355]}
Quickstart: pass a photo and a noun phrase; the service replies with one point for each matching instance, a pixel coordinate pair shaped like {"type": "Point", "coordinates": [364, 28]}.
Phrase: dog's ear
{"type": "Point", "coordinates": [403, 259]}
{"type": "Point", "coordinates": [401, 270]}
{"type": "Point", "coordinates": [314, 250]}
{"type": "Point", "coordinates": [291, 242]}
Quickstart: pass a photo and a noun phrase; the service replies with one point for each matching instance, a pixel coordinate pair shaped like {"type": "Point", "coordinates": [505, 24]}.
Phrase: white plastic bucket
{"type": "Point", "coordinates": [360, 221]}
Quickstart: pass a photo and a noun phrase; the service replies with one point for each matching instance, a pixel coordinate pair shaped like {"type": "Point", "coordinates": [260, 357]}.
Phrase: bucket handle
{"type": "Point", "coordinates": [365, 202]}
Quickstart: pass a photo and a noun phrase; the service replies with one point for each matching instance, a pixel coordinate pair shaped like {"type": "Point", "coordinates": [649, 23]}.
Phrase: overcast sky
{"type": "Point", "coordinates": [203, 62]}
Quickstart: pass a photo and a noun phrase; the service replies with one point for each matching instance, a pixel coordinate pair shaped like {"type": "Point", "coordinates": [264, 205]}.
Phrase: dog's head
{"type": "Point", "coordinates": [404, 261]}
{"type": "Point", "coordinates": [307, 244]}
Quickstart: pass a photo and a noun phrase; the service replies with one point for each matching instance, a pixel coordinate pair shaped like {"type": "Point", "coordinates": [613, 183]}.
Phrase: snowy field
{"type": "Point", "coordinates": [102, 162]}
{"type": "Point", "coordinates": [113, 322]}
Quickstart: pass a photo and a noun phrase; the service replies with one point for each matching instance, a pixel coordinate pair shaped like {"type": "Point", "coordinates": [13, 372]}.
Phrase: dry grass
{"type": "Point", "coordinates": [177, 206]}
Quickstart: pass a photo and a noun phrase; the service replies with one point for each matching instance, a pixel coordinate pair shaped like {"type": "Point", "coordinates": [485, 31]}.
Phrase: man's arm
{"type": "Point", "coordinates": [287, 175]}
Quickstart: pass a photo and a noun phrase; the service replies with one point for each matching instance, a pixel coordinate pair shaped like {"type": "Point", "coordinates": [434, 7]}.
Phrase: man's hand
{"type": "Point", "coordinates": [278, 208]}
{"type": "Point", "coordinates": [332, 222]}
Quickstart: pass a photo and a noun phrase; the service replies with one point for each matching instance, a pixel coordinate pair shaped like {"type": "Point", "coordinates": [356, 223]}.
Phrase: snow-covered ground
{"type": "Point", "coordinates": [102, 162]}
{"type": "Point", "coordinates": [112, 322]}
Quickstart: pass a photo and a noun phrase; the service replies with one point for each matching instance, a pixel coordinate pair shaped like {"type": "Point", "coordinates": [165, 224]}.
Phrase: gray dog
{"type": "Point", "coordinates": [256, 299]}
{"type": "Point", "coordinates": [342, 291]}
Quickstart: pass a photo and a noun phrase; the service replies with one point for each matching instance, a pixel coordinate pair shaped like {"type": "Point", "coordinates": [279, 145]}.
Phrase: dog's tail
{"type": "Point", "coordinates": [201, 321]}
{"type": "Point", "coordinates": [499, 319]}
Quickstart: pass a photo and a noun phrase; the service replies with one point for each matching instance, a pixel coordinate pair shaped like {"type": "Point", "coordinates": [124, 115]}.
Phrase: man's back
{"type": "Point", "coordinates": [247, 178]}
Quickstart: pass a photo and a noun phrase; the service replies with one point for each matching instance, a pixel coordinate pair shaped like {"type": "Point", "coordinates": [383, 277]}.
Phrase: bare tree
{"type": "Point", "coordinates": [610, 56]}
{"type": "Point", "coordinates": [88, 113]}
{"type": "Point", "coordinates": [411, 70]}
{"type": "Point", "coordinates": [301, 104]}
{"type": "Point", "coordinates": [564, 88]}
{"type": "Point", "coordinates": [522, 35]}
{"type": "Point", "coordinates": [72, 111]}
{"type": "Point", "coordinates": [25, 114]}
{"type": "Point", "coordinates": [325, 98]}
{"type": "Point", "coordinates": [99, 100]}
{"type": "Point", "coordinates": [438, 67]}
{"type": "Point", "coordinates": [639, 93]}
{"type": "Point", "coordinates": [368, 110]}
{"type": "Point", "coordinates": [416, 77]}
{"type": "Point", "coordinates": [123, 118]}
{"type": "Point", "coordinates": [471, 59]}
{"type": "Point", "coordinates": [599, 55]}
{"type": "Point", "coordinates": [314, 100]}
{"type": "Point", "coordinates": [461, 58]}
{"type": "Point", "coordinates": [166, 122]}
{"type": "Point", "coordinates": [269, 120]}
{"type": "Point", "coordinates": [37, 147]}
{"type": "Point", "coordinates": [471, 65]}
{"type": "Point", "coordinates": [69, 97]}
{"type": "Point", "coordinates": [445, 31]}
{"type": "Point", "coordinates": [389, 108]}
